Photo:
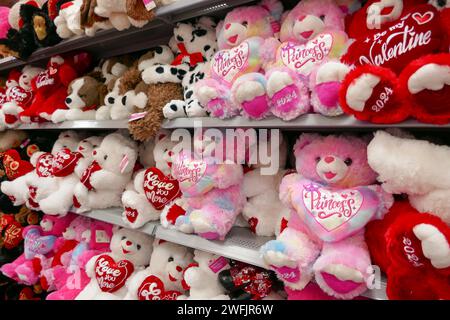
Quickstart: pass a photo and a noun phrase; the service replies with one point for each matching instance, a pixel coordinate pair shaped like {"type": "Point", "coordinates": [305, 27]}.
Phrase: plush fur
{"type": "Point", "coordinates": [132, 246]}
{"type": "Point", "coordinates": [338, 258]}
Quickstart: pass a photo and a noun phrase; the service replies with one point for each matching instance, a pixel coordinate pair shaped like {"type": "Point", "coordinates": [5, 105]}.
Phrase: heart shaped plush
{"type": "Point", "coordinates": [44, 165]}
{"type": "Point", "coordinates": [228, 65]}
{"type": "Point", "coordinates": [35, 244]}
{"type": "Point", "coordinates": [13, 235]}
{"type": "Point", "coordinates": [111, 276]}
{"type": "Point", "coordinates": [335, 214]}
{"type": "Point", "coordinates": [19, 95]}
{"type": "Point", "coordinates": [152, 288]}
{"type": "Point", "coordinates": [159, 188]}
{"type": "Point", "coordinates": [396, 44]}
{"type": "Point", "coordinates": [64, 162]}
{"type": "Point", "coordinates": [14, 166]}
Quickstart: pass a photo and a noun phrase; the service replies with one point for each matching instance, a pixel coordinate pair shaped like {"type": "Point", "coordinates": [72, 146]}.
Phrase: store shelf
{"type": "Point", "coordinates": [305, 122]}
{"type": "Point", "coordinates": [79, 124]}
{"type": "Point", "coordinates": [240, 244]}
{"type": "Point", "coordinates": [108, 43]}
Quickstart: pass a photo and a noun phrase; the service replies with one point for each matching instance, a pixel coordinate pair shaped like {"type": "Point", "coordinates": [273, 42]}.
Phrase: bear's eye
{"type": "Point", "coordinates": [170, 259]}
{"type": "Point", "coordinates": [180, 38]}
{"type": "Point", "coordinates": [123, 238]}
{"type": "Point", "coordinates": [138, 247]}
{"type": "Point", "coordinates": [318, 159]}
{"type": "Point", "coordinates": [105, 157]}
{"type": "Point", "coordinates": [322, 17]}
{"type": "Point", "coordinates": [348, 162]}
{"type": "Point", "coordinates": [245, 23]}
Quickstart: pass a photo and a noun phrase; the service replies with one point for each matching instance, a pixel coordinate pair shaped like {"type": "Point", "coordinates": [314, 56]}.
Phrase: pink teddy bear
{"type": "Point", "coordinates": [39, 244]}
{"type": "Point", "coordinates": [71, 278]}
{"type": "Point", "coordinates": [331, 199]}
{"type": "Point", "coordinates": [241, 37]}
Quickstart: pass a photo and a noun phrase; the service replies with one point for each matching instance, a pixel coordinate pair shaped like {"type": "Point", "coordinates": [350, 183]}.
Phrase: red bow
{"type": "Point", "coordinates": [193, 58]}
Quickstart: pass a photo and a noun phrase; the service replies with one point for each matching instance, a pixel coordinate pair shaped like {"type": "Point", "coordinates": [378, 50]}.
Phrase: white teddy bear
{"type": "Point", "coordinates": [162, 280]}
{"type": "Point", "coordinates": [202, 279]}
{"type": "Point", "coordinates": [152, 188]}
{"type": "Point", "coordinates": [102, 183]}
{"type": "Point", "coordinates": [109, 272]}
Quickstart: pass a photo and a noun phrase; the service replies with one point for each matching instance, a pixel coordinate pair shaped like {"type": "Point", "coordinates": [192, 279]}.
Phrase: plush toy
{"type": "Point", "coordinates": [102, 183]}
{"type": "Point", "coordinates": [39, 242]}
{"type": "Point", "coordinates": [245, 282]}
{"type": "Point", "coordinates": [195, 44]}
{"type": "Point", "coordinates": [332, 198]}
{"type": "Point", "coordinates": [109, 272]}
{"type": "Point", "coordinates": [4, 23]}
{"type": "Point", "coordinates": [413, 240]}
{"type": "Point", "coordinates": [71, 278]}
{"type": "Point", "coordinates": [399, 72]}
{"type": "Point", "coordinates": [153, 187]}
{"type": "Point", "coordinates": [201, 278]}
{"type": "Point", "coordinates": [264, 212]}
{"type": "Point", "coordinates": [92, 22]}
{"type": "Point", "coordinates": [241, 38]}
{"type": "Point", "coordinates": [163, 279]}
{"type": "Point", "coordinates": [84, 96]}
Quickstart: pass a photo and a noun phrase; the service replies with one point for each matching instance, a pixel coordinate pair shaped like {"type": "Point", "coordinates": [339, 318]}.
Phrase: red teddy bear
{"type": "Point", "coordinates": [402, 62]}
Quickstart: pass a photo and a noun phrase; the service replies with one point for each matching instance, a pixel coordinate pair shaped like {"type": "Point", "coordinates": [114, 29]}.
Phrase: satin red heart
{"type": "Point", "coordinates": [152, 288]}
{"type": "Point", "coordinates": [159, 188]}
{"type": "Point", "coordinates": [64, 162]}
{"type": "Point", "coordinates": [111, 275]}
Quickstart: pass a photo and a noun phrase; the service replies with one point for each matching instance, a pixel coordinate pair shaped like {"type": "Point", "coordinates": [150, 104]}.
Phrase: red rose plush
{"type": "Point", "coordinates": [402, 64]}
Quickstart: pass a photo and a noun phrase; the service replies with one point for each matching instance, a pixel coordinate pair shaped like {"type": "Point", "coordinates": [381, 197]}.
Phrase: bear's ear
{"type": "Point", "coordinates": [305, 140]}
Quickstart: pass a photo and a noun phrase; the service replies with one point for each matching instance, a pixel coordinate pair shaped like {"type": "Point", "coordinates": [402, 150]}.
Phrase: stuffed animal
{"type": "Point", "coordinates": [399, 73]}
{"type": "Point", "coordinates": [83, 99]}
{"type": "Point", "coordinates": [332, 198]}
{"type": "Point", "coordinates": [39, 242]}
{"type": "Point", "coordinates": [412, 242]}
{"type": "Point", "coordinates": [153, 187]}
{"type": "Point", "coordinates": [102, 183]}
{"type": "Point", "coordinates": [201, 277]}
{"type": "Point", "coordinates": [109, 272]}
{"type": "Point", "coordinates": [92, 22]}
{"type": "Point", "coordinates": [264, 212]}
{"type": "Point", "coordinates": [195, 45]}
{"type": "Point", "coordinates": [4, 23]}
{"type": "Point", "coordinates": [163, 279]}
{"type": "Point", "coordinates": [68, 21]}
{"type": "Point", "coordinates": [241, 38]}
{"type": "Point", "coordinates": [71, 279]}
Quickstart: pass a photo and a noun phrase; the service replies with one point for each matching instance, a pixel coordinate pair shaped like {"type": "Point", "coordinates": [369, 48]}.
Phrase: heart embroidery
{"type": "Point", "coordinates": [44, 165]}
{"type": "Point", "coordinates": [189, 171]}
{"type": "Point", "coordinates": [302, 58]}
{"type": "Point", "coordinates": [253, 223]}
{"type": "Point", "coordinates": [64, 162]}
{"type": "Point", "coordinates": [46, 78]}
{"type": "Point", "coordinates": [152, 288]}
{"type": "Point", "coordinates": [328, 211]}
{"type": "Point", "coordinates": [131, 214]}
{"type": "Point", "coordinates": [35, 244]}
{"type": "Point", "coordinates": [111, 276]}
{"type": "Point", "coordinates": [423, 18]}
{"type": "Point", "coordinates": [229, 64]}
{"type": "Point", "coordinates": [159, 188]}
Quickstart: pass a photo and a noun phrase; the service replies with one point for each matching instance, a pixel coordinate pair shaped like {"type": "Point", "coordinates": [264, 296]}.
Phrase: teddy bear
{"type": "Point", "coordinates": [264, 212]}
{"type": "Point", "coordinates": [71, 279]}
{"type": "Point", "coordinates": [332, 198]}
{"type": "Point", "coordinates": [246, 282]}
{"type": "Point", "coordinates": [163, 278]}
{"type": "Point", "coordinates": [39, 242]}
{"type": "Point", "coordinates": [194, 44]}
{"type": "Point", "coordinates": [130, 253]}
{"type": "Point", "coordinates": [413, 239]}
{"type": "Point", "coordinates": [83, 99]}
{"type": "Point", "coordinates": [241, 37]}
{"type": "Point", "coordinates": [153, 187]}
{"type": "Point", "coordinates": [201, 277]}
{"type": "Point", "coordinates": [19, 96]}
{"type": "Point", "coordinates": [103, 182]}
{"type": "Point", "coordinates": [29, 189]}
{"type": "Point", "coordinates": [212, 191]}
{"type": "Point", "coordinates": [400, 63]}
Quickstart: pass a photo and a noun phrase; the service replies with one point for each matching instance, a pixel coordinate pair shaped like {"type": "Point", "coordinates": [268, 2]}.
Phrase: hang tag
{"type": "Point", "coordinates": [137, 116]}
{"type": "Point", "coordinates": [149, 4]}
{"type": "Point", "coordinates": [25, 143]}
{"type": "Point", "coordinates": [124, 163]}
{"type": "Point", "coordinates": [101, 236]}
{"type": "Point", "coordinates": [218, 264]}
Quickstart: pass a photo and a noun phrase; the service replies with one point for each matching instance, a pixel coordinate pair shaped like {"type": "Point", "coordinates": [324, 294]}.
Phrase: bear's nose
{"type": "Point", "coordinates": [111, 100]}
{"type": "Point", "coordinates": [129, 243]}
{"type": "Point", "coordinates": [228, 26]}
{"type": "Point", "coordinates": [68, 100]}
{"type": "Point", "coordinates": [329, 159]}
